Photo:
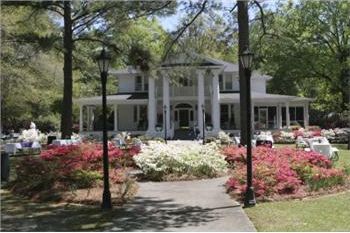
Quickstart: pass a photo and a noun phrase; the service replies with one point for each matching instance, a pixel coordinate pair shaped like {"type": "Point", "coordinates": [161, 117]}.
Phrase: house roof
{"type": "Point", "coordinates": [263, 97]}
{"type": "Point", "coordinates": [142, 98]}
{"type": "Point", "coordinates": [120, 98]}
{"type": "Point", "coordinates": [193, 60]}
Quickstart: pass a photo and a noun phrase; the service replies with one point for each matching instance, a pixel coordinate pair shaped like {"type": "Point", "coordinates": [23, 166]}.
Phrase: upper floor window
{"type": "Point", "coordinates": [185, 82]}
{"type": "Point", "coordinates": [227, 82]}
{"type": "Point", "coordinates": [221, 82]}
{"type": "Point", "coordinates": [141, 83]}
{"type": "Point", "coordinates": [138, 83]}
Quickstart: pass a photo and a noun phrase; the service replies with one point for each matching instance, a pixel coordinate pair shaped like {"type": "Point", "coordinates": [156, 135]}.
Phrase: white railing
{"type": "Point", "coordinates": [183, 91]}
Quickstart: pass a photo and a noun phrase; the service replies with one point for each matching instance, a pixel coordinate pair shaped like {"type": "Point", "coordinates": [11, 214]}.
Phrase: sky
{"type": "Point", "coordinates": [170, 23]}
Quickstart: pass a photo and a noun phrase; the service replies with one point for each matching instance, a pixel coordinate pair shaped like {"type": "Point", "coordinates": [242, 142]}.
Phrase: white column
{"type": "Point", "coordinates": [279, 116]}
{"type": "Point", "coordinates": [200, 80]}
{"type": "Point", "coordinates": [151, 105]}
{"type": "Point", "coordinates": [306, 115]}
{"type": "Point", "coordinates": [166, 103]}
{"type": "Point", "coordinates": [88, 118]}
{"type": "Point", "coordinates": [215, 108]}
{"type": "Point", "coordinates": [115, 117]}
{"type": "Point", "coordinates": [287, 115]}
{"type": "Point", "coordinates": [81, 118]}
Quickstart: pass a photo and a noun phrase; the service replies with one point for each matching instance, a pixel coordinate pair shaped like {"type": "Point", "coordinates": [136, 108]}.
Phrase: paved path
{"type": "Point", "coordinates": [187, 206]}
{"type": "Point", "coordinates": [160, 206]}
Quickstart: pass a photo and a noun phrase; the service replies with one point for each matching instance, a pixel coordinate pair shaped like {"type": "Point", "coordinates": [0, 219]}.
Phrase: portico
{"type": "Point", "coordinates": [184, 96]}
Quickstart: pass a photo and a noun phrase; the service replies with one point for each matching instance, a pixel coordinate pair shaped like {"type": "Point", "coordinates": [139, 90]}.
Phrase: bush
{"type": "Point", "coordinates": [161, 161]}
{"type": "Point", "coordinates": [281, 171]}
{"type": "Point", "coordinates": [67, 168]}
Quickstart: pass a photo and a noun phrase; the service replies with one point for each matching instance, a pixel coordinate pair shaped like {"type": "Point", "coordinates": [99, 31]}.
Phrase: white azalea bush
{"type": "Point", "coordinates": [161, 161]}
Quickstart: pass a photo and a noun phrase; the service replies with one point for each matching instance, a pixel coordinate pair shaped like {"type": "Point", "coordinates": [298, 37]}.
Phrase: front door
{"type": "Point", "coordinates": [184, 118]}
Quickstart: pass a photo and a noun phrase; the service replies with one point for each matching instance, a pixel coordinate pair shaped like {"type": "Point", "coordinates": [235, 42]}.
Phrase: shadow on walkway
{"type": "Point", "coordinates": [143, 214]}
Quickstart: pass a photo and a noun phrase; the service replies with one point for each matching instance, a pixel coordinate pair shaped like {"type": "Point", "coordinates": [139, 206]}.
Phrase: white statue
{"type": "Point", "coordinates": [30, 135]}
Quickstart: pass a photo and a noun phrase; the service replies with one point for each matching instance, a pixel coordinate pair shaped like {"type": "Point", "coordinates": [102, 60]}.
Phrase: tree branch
{"type": "Point", "coordinates": [105, 43]}
{"type": "Point", "coordinates": [262, 20]}
{"type": "Point", "coordinates": [183, 29]}
{"type": "Point", "coordinates": [233, 8]}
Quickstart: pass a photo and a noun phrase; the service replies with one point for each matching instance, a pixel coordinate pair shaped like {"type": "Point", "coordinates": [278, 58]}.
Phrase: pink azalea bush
{"type": "Point", "coordinates": [62, 168]}
{"type": "Point", "coordinates": [282, 171]}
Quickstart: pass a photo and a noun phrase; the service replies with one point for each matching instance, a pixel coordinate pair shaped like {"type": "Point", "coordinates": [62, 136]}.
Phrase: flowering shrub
{"type": "Point", "coordinates": [290, 135]}
{"type": "Point", "coordinates": [336, 135]}
{"type": "Point", "coordinates": [224, 138]}
{"type": "Point", "coordinates": [160, 161]}
{"type": "Point", "coordinates": [281, 171]}
{"type": "Point", "coordinates": [63, 168]}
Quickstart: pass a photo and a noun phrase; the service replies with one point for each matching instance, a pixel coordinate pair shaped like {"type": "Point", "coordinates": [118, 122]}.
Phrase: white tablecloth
{"type": "Point", "coordinates": [65, 142]}
{"type": "Point", "coordinates": [12, 148]}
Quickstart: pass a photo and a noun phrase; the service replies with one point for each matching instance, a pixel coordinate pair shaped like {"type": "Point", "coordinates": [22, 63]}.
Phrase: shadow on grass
{"type": "Point", "coordinates": [146, 214]}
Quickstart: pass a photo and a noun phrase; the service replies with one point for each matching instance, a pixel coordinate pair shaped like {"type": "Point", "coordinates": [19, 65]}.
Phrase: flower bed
{"type": "Point", "coordinates": [289, 136]}
{"type": "Point", "coordinates": [283, 171]}
{"type": "Point", "coordinates": [161, 161]}
{"type": "Point", "coordinates": [68, 168]}
{"type": "Point", "coordinates": [336, 135]}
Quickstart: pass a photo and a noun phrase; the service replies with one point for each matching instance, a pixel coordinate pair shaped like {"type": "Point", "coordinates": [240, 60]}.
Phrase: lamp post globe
{"type": "Point", "coordinates": [103, 61]}
{"type": "Point", "coordinates": [246, 58]}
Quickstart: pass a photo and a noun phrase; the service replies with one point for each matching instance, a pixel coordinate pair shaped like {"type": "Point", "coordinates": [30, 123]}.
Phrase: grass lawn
{"type": "Point", "coordinates": [327, 213]}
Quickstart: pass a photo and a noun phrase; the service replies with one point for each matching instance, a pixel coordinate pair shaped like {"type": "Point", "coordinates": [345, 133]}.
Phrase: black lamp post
{"type": "Point", "coordinates": [203, 128]}
{"type": "Point", "coordinates": [165, 125]}
{"type": "Point", "coordinates": [103, 60]}
{"type": "Point", "coordinates": [246, 59]}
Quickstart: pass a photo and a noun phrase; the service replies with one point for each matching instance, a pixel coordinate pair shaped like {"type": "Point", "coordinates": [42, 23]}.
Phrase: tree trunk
{"type": "Point", "coordinates": [243, 41]}
{"type": "Point", "coordinates": [66, 116]}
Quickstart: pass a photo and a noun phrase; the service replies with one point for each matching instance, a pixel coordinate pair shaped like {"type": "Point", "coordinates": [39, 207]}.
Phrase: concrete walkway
{"type": "Point", "coordinates": [185, 206]}
{"type": "Point", "coordinates": [160, 206]}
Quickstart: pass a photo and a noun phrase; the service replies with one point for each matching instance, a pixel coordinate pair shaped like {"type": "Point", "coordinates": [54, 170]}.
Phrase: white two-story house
{"type": "Point", "coordinates": [182, 95]}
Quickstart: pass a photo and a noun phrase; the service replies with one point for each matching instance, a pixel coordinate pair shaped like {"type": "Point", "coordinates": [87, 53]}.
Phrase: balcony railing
{"type": "Point", "coordinates": [183, 91]}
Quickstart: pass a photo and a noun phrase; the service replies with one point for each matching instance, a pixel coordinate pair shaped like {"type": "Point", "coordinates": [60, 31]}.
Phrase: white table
{"type": "Point", "coordinates": [12, 148]}
{"type": "Point", "coordinates": [65, 142]}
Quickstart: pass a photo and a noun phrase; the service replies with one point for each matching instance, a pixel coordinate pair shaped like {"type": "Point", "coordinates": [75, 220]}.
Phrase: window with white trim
{"type": "Point", "coordinates": [227, 117]}
{"type": "Point", "coordinates": [296, 115]}
{"type": "Point", "coordinates": [140, 116]}
{"type": "Point", "coordinates": [228, 82]}
{"type": "Point", "coordinates": [141, 83]}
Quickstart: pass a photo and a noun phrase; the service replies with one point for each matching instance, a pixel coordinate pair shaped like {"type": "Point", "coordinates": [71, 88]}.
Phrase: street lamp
{"type": "Point", "coordinates": [246, 59]}
{"type": "Point", "coordinates": [103, 60]}
{"type": "Point", "coordinates": [203, 128]}
{"type": "Point", "coordinates": [165, 125]}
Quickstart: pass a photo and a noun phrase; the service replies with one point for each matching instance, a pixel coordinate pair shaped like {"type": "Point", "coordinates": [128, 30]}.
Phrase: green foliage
{"type": "Point", "coordinates": [85, 179]}
{"type": "Point", "coordinates": [30, 77]}
{"type": "Point", "coordinates": [306, 49]}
